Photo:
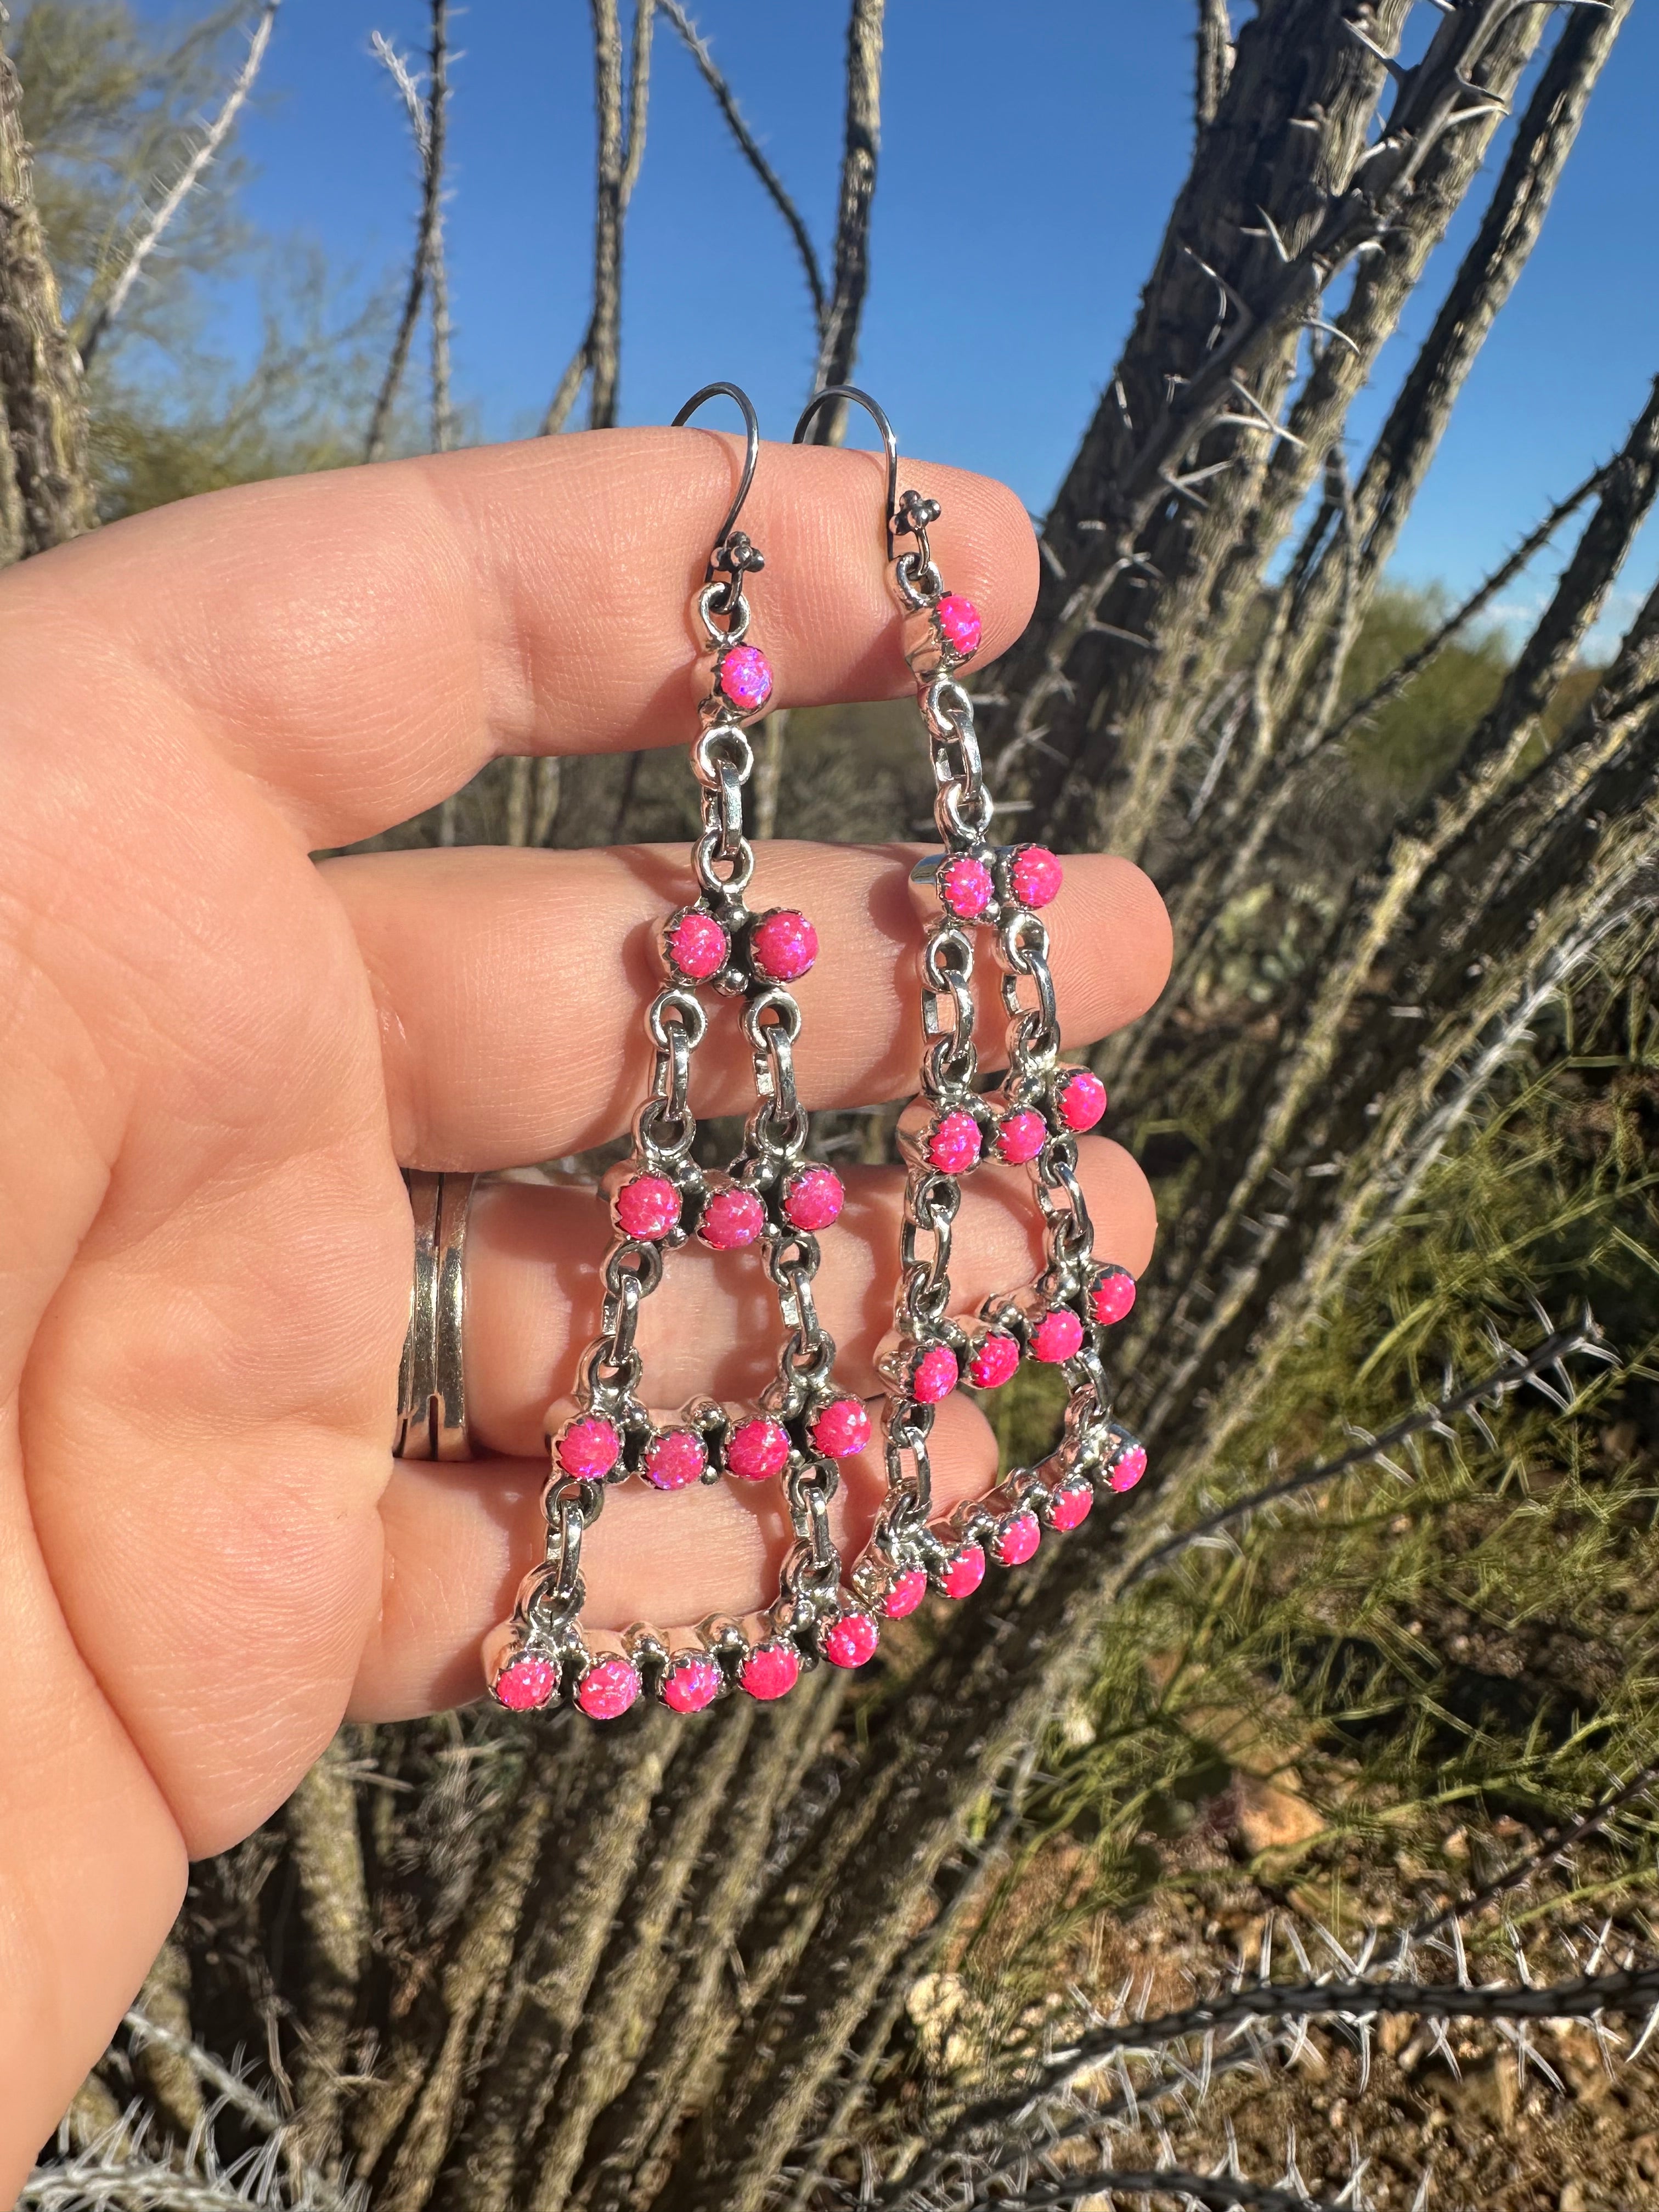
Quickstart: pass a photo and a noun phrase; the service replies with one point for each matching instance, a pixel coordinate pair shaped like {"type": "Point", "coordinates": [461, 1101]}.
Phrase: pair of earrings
{"type": "Point", "coordinates": [775, 1198]}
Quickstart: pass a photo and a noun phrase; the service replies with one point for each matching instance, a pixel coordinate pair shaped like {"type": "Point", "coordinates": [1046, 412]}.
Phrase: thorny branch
{"type": "Point", "coordinates": [1545, 1852]}
{"type": "Point", "coordinates": [1215, 2193]}
{"type": "Point", "coordinates": [750, 146]}
{"type": "Point", "coordinates": [1414, 664]}
{"type": "Point", "coordinates": [1631, 1989]}
{"type": "Point", "coordinates": [1215, 58]}
{"type": "Point", "coordinates": [838, 323]}
{"type": "Point", "coordinates": [46, 482]}
{"type": "Point", "coordinates": [212, 139]}
{"type": "Point", "coordinates": [1517, 1370]}
{"type": "Point", "coordinates": [619, 153]}
{"type": "Point", "coordinates": [426, 114]}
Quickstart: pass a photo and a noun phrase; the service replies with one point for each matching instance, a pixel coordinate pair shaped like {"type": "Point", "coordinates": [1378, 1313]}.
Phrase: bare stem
{"type": "Point", "coordinates": [212, 139]}
{"type": "Point", "coordinates": [749, 146]}
{"type": "Point", "coordinates": [839, 319]}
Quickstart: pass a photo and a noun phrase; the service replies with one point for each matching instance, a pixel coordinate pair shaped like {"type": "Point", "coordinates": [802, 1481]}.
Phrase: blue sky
{"type": "Point", "coordinates": [1025, 177]}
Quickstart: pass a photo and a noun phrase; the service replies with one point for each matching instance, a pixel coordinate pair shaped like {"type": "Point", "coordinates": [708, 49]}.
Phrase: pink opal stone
{"type": "Point", "coordinates": [1017, 1540]}
{"type": "Point", "coordinates": [852, 1640]}
{"type": "Point", "coordinates": [675, 1459]}
{"type": "Point", "coordinates": [746, 677]}
{"type": "Point", "coordinates": [955, 1143]}
{"type": "Point", "coordinates": [771, 1670]}
{"type": "Point", "coordinates": [1022, 1136]}
{"type": "Point", "coordinates": [967, 887]}
{"type": "Point", "coordinates": [525, 1684]}
{"type": "Point", "coordinates": [814, 1198]}
{"type": "Point", "coordinates": [1113, 1296]}
{"type": "Point", "coordinates": [1068, 1508]}
{"type": "Point", "coordinates": [589, 1447]}
{"type": "Point", "coordinates": [993, 1363]}
{"type": "Point", "coordinates": [964, 1571]}
{"type": "Point", "coordinates": [648, 1207]}
{"type": "Point", "coordinates": [1081, 1099]}
{"type": "Point", "coordinates": [842, 1429]}
{"type": "Point", "coordinates": [1058, 1336]}
{"type": "Point", "coordinates": [607, 1689]}
{"type": "Point", "coordinates": [756, 1449]}
{"type": "Point", "coordinates": [959, 619]}
{"type": "Point", "coordinates": [1035, 875]}
{"type": "Point", "coordinates": [731, 1218]}
{"type": "Point", "coordinates": [697, 946]}
{"type": "Point", "coordinates": [784, 944]}
{"type": "Point", "coordinates": [1128, 1468]}
{"type": "Point", "coordinates": [935, 1375]}
{"type": "Point", "coordinates": [906, 1594]}
{"type": "Point", "coordinates": [691, 1683]}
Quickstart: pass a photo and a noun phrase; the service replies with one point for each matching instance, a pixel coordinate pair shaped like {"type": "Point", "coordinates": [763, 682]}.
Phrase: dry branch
{"type": "Point", "coordinates": [1509, 229]}
{"type": "Point", "coordinates": [843, 311]}
{"type": "Point", "coordinates": [619, 152]}
{"type": "Point", "coordinates": [1517, 1370]}
{"type": "Point", "coordinates": [46, 485]}
{"type": "Point", "coordinates": [426, 114]}
{"type": "Point", "coordinates": [750, 146]}
{"type": "Point", "coordinates": [194, 169]}
{"type": "Point", "coordinates": [1631, 1991]}
{"type": "Point", "coordinates": [1215, 59]}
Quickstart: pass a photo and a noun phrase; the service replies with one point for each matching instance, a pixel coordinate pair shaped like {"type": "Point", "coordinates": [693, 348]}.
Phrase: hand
{"type": "Point", "coordinates": [218, 1053]}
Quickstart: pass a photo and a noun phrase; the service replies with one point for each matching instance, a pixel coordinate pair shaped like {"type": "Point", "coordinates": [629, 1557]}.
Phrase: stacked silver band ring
{"type": "Point", "coordinates": [431, 1383]}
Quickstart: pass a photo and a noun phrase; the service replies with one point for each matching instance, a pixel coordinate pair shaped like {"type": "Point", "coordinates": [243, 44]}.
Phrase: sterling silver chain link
{"type": "Point", "coordinates": [658, 1196]}
{"type": "Point", "coordinates": [1035, 1118]}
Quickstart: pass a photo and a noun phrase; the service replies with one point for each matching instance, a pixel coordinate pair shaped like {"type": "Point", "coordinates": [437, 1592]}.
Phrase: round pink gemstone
{"type": "Point", "coordinates": [993, 1363]}
{"type": "Point", "coordinates": [675, 1459]}
{"type": "Point", "coordinates": [1082, 1100]}
{"type": "Point", "coordinates": [1068, 1507]}
{"type": "Point", "coordinates": [1022, 1136]}
{"type": "Point", "coordinates": [697, 946]}
{"type": "Point", "coordinates": [756, 1449]}
{"type": "Point", "coordinates": [607, 1689]}
{"type": "Point", "coordinates": [524, 1684]}
{"type": "Point", "coordinates": [771, 1670]}
{"type": "Point", "coordinates": [935, 1375]}
{"type": "Point", "coordinates": [1057, 1336]}
{"type": "Point", "coordinates": [690, 1684]}
{"type": "Point", "coordinates": [784, 944]}
{"type": "Point", "coordinates": [589, 1447]}
{"type": "Point", "coordinates": [967, 887]}
{"type": "Point", "coordinates": [648, 1207]}
{"type": "Point", "coordinates": [906, 1594]}
{"type": "Point", "coordinates": [955, 1143]}
{"type": "Point", "coordinates": [814, 1198]}
{"type": "Point", "coordinates": [1035, 875]}
{"type": "Point", "coordinates": [852, 1640]}
{"type": "Point", "coordinates": [1128, 1468]}
{"type": "Point", "coordinates": [1017, 1539]}
{"type": "Point", "coordinates": [959, 619]}
{"type": "Point", "coordinates": [1113, 1296]}
{"type": "Point", "coordinates": [842, 1429]}
{"type": "Point", "coordinates": [964, 1571]}
{"type": "Point", "coordinates": [746, 677]}
{"type": "Point", "coordinates": [731, 1218]}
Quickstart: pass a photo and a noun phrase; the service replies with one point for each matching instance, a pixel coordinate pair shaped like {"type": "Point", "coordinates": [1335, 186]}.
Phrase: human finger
{"type": "Point", "coordinates": [509, 984]}
{"type": "Point", "coordinates": [361, 642]}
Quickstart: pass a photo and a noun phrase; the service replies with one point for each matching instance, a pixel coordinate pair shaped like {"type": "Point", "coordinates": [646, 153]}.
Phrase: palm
{"type": "Point", "coordinates": [219, 1054]}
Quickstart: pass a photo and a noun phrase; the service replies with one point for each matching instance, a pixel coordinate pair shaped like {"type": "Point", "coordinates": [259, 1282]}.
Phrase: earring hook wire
{"type": "Point", "coordinates": [877, 415]}
{"type": "Point", "coordinates": [751, 456]}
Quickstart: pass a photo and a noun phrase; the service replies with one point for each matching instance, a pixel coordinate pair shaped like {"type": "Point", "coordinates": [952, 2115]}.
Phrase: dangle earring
{"type": "Point", "coordinates": [771, 1196]}
{"type": "Point", "coordinates": [1034, 1120]}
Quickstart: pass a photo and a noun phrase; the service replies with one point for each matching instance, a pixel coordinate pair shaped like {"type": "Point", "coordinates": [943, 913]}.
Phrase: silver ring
{"type": "Point", "coordinates": [431, 1380]}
